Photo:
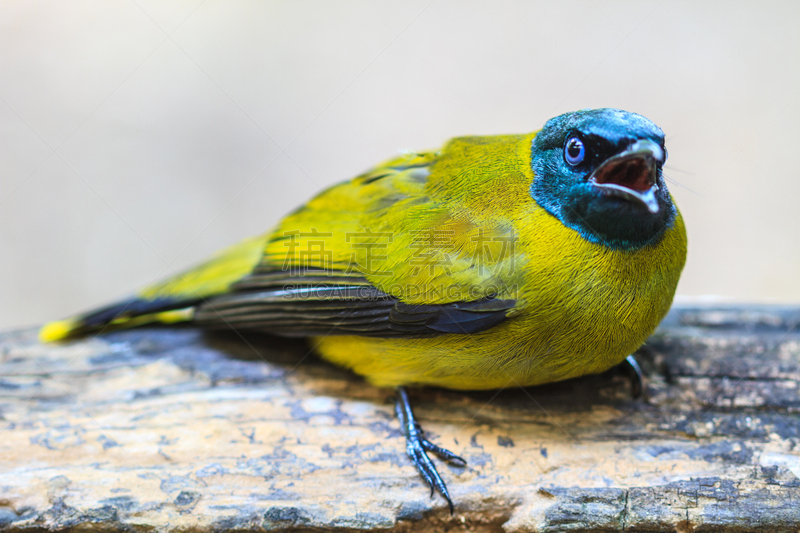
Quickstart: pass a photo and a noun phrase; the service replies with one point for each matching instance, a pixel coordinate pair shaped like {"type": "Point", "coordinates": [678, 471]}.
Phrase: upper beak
{"type": "Point", "coordinates": [632, 174]}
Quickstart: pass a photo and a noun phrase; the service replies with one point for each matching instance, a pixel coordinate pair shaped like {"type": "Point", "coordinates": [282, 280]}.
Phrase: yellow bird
{"type": "Point", "coordinates": [494, 261]}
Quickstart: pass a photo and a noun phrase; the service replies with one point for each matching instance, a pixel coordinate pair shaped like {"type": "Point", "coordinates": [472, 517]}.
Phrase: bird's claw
{"type": "Point", "coordinates": [635, 373]}
{"type": "Point", "coordinates": [417, 447]}
{"type": "Point", "coordinates": [447, 455]}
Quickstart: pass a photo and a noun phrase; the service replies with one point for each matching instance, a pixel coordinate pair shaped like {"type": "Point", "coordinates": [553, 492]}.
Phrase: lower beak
{"type": "Point", "coordinates": [631, 174]}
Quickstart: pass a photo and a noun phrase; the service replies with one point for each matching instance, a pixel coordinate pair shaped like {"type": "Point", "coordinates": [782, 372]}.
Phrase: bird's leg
{"type": "Point", "coordinates": [634, 371]}
{"type": "Point", "coordinates": [417, 446]}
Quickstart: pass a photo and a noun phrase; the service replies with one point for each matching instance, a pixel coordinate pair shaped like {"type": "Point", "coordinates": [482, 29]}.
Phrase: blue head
{"type": "Point", "coordinates": [599, 172]}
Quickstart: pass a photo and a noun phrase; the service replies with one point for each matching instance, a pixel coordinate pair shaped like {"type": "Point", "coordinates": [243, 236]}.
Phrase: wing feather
{"type": "Point", "coordinates": [314, 275]}
{"type": "Point", "coordinates": [305, 307]}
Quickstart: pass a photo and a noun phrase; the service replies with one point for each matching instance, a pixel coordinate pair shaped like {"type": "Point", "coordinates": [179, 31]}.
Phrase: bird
{"type": "Point", "coordinates": [494, 261]}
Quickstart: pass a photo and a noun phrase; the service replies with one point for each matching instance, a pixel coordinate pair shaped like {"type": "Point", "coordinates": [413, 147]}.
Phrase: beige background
{"type": "Point", "coordinates": [139, 137]}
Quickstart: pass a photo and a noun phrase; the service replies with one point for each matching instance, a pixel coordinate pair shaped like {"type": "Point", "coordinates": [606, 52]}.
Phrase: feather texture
{"type": "Point", "coordinates": [433, 268]}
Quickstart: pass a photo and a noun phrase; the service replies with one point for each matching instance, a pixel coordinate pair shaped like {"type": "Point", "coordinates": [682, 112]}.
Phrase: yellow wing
{"type": "Point", "coordinates": [383, 254]}
{"type": "Point", "coordinates": [377, 256]}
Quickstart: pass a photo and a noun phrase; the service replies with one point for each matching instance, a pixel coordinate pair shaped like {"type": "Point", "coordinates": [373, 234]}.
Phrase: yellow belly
{"type": "Point", "coordinates": [582, 309]}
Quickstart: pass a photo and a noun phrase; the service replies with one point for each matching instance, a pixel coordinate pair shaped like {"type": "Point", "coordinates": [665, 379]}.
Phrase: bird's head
{"type": "Point", "coordinates": [599, 172]}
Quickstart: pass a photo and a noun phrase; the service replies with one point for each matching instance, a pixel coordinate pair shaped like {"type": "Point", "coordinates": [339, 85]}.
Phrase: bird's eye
{"type": "Point", "coordinates": [574, 151]}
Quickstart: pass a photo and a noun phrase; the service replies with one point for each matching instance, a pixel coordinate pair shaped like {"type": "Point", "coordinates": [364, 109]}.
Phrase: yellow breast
{"type": "Point", "coordinates": [582, 309]}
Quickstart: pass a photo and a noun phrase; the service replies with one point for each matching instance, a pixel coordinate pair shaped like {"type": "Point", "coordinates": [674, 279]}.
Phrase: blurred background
{"type": "Point", "coordinates": [138, 137]}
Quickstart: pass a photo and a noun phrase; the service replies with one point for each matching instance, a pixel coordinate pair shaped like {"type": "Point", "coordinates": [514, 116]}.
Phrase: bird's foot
{"type": "Point", "coordinates": [634, 371]}
{"type": "Point", "coordinates": [417, 447]}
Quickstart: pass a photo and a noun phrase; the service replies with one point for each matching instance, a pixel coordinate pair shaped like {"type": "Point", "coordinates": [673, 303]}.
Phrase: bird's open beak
{"type": "Point", "coordinates": [631, 174]}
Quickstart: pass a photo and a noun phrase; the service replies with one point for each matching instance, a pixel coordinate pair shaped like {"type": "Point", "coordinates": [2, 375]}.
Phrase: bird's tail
{"type": "Point", "coordinates": [169, 302]}
{"type": "Point", "coordinates": [123, 315]}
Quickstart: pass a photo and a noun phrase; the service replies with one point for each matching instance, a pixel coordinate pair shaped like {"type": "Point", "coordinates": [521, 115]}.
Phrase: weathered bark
{"type": "Point", "coordinates": [174, 429]}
